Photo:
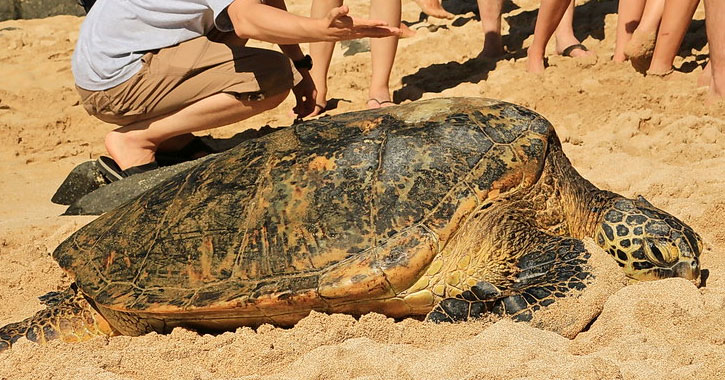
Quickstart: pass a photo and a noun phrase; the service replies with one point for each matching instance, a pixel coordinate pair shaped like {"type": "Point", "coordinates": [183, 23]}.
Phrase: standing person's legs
{"type": "Point", "coordinates": [705, 76]}
{"type": "Point", "coordinates": [550, 14]}
{"type": "Point", "coordinates": [676, 18]}
{"type": "Point", "coordinates": [566, 42]}
{"type": "Point", "coordinates": [490, 11]}
{"type": "Point", "coordinates": [321, 53]}
{"type": "Point", "coordinates": [383, 51]}
{"type": "Point", "coordinates": [628, 18]}
{"type": "Point", "coordinates": [715, 25]}
{"type": "Point", "coordinates": [651, 16]}
{"type": "Point", "coordinates": [641, 45]}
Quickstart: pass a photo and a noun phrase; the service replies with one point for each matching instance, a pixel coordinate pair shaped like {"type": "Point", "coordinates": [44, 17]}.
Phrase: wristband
{"type": "Point", "coordinates": [304, 63]}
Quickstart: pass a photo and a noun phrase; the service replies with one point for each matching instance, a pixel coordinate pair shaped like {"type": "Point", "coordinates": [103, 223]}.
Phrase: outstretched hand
{"type": "Point", "coordinates": [339, 26]}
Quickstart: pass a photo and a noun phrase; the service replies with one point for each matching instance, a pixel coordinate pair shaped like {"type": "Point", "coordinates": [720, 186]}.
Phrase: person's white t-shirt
{"type": "Point", "coordinates": [117, 33]}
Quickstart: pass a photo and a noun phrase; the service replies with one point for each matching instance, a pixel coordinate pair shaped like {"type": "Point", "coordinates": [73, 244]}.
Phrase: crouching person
{"type": "Point", "coordinates": [162, 70]}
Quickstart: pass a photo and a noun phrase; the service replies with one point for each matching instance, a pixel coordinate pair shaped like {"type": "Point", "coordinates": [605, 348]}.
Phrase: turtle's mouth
{"type": "Point", "coordinates": [688, 269]}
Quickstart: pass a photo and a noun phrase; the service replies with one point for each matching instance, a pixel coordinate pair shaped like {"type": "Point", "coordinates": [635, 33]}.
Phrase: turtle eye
{"type": "Point", "coordinates": [659, 255]}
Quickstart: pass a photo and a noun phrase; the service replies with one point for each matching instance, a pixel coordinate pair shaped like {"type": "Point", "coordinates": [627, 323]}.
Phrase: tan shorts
{"type": "Point", "coordinates": [175, 77]}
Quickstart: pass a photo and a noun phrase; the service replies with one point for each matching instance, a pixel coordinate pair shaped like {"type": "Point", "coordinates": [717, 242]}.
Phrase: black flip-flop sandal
{"type": "Point", "coordinates": [567, 52]}
{"type": "Point", "coordinates": [110, 169]}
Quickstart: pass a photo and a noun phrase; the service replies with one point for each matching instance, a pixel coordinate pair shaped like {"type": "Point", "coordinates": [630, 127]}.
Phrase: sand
{"type": "Point", "coordinates": [625, 132]}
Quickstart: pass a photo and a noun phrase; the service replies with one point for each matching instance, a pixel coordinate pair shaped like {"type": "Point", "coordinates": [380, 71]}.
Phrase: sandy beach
{"type": "Point", "coordinates": [624, 132]}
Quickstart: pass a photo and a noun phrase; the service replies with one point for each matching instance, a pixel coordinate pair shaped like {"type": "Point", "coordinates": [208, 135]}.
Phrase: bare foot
{"type": "Point", "coordinates": [619, 58]}
{"type": "Point", "coordinates": [320, 101]}
{"type": "Point", "coordinates": [320, 108]}
{"type": "Point", "coordinates": [715, 100]}
{"type": "Point", "coordinates": [434, 8]}
{"type": "Point", "coordinates": [639, 50]}
{"type": "Point", "coordinates": [376, 103]}
{"type": "Point", "coordinates": [127, 149]}
{"type": "Point", "coordinates": [571, 47]}
{"type": "Point", "coordinates": [534, 63]}
{"type": "Point", "coordinates": [660, 73]}
{"type": "Point", "coordinates": [406, 32]}
{"type": "Point", "coordinates": [706, 77]}
{"type": "Point", "coordinates": [717, 93]}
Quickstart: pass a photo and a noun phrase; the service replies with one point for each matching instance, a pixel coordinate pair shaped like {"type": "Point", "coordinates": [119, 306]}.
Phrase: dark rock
{"type": "Point", "coordinates": [82, 180]}
{"type": "Point", "coordinates": [116, 193]}
{"type": "Point", "coordinates": [25, 9]}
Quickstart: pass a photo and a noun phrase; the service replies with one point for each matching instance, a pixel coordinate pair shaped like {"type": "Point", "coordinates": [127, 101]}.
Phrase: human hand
{"type": "Point", "coordinates": [338, 26]}
{"type": "Point", "coordinates": [305, 95]}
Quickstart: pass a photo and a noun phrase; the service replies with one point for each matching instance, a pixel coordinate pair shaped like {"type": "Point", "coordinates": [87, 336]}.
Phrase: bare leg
{"type": "Point", "coordinates": [490, 11]}
{"type": "Point", "coordinates": [651, 16]}
{"type": "Point", "coordinates": [628, 17]}
{"type": "Point", "coordinates": [641, 46]}
{"type": "Point", "coordinates": [136, 143]}
{"type": "Point", "coordinates": [706, 76]}
{"type": "Point", "coordinates": [434, 8]}
{"type": "Point", "coordinates": [676, 18]}
{"type": "Point", "coordinates": [321, 53]}
{"type": "Point", "coordinates": [382, 51]}
{"type": "Point", "coordinates": [550, 14]}
{"type": "Point", "coordinates": [715, 24]}
{"type": "Point", "coordinates": [565, 34]}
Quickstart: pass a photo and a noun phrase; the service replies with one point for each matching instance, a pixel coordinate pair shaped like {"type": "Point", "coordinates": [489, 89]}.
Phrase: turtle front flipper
{"type": "Point", "coordinates": [502, 263]}
{"type": "Point", "coordinates": [471, 304]}
{"type": "Point", "coordinates": [68, 317]}
{"type": "Point", "coordinates": [549, 271]}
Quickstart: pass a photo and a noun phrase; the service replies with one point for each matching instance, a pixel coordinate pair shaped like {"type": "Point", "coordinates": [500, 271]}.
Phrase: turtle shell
{"type": "Point", "coordinates": [327, 212]}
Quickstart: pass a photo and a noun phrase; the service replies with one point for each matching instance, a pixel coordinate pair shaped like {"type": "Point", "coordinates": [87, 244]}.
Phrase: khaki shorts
{"type": "Point", "coordinates": [175, 77]}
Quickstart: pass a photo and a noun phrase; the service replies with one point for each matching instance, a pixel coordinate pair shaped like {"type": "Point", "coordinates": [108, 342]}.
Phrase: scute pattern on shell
{"type": "Point", "coordinates": [266, 220]}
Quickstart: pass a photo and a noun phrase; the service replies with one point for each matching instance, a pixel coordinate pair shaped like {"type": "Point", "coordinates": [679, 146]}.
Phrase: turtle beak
{"type": "Point", "coordinates": [689, 269]}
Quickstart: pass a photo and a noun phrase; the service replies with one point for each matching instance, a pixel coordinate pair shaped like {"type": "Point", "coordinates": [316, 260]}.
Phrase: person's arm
{"type": "Point", "coordinates": [293, 51]}
{"type": "Point", "coordinates": [253, 19]}
{"type": "Point", "coordinates": [305, 91]}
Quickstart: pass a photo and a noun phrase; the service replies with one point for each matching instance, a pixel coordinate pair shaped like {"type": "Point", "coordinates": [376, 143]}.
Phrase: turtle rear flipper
{"type": "Point", "coordinates": [68, 317]}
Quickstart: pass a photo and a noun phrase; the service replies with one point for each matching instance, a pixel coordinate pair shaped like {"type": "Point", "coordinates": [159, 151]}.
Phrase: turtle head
{"type": "Point", "coordinates": [647, 242]}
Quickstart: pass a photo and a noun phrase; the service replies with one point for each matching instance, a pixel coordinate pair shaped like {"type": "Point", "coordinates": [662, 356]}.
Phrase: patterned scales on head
{"type": "Point", "coordinates": [445, 208]}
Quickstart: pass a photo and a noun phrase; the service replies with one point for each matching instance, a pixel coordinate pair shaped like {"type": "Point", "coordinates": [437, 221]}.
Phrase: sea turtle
{"type": "Point", "coordinates": [447, 208]}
